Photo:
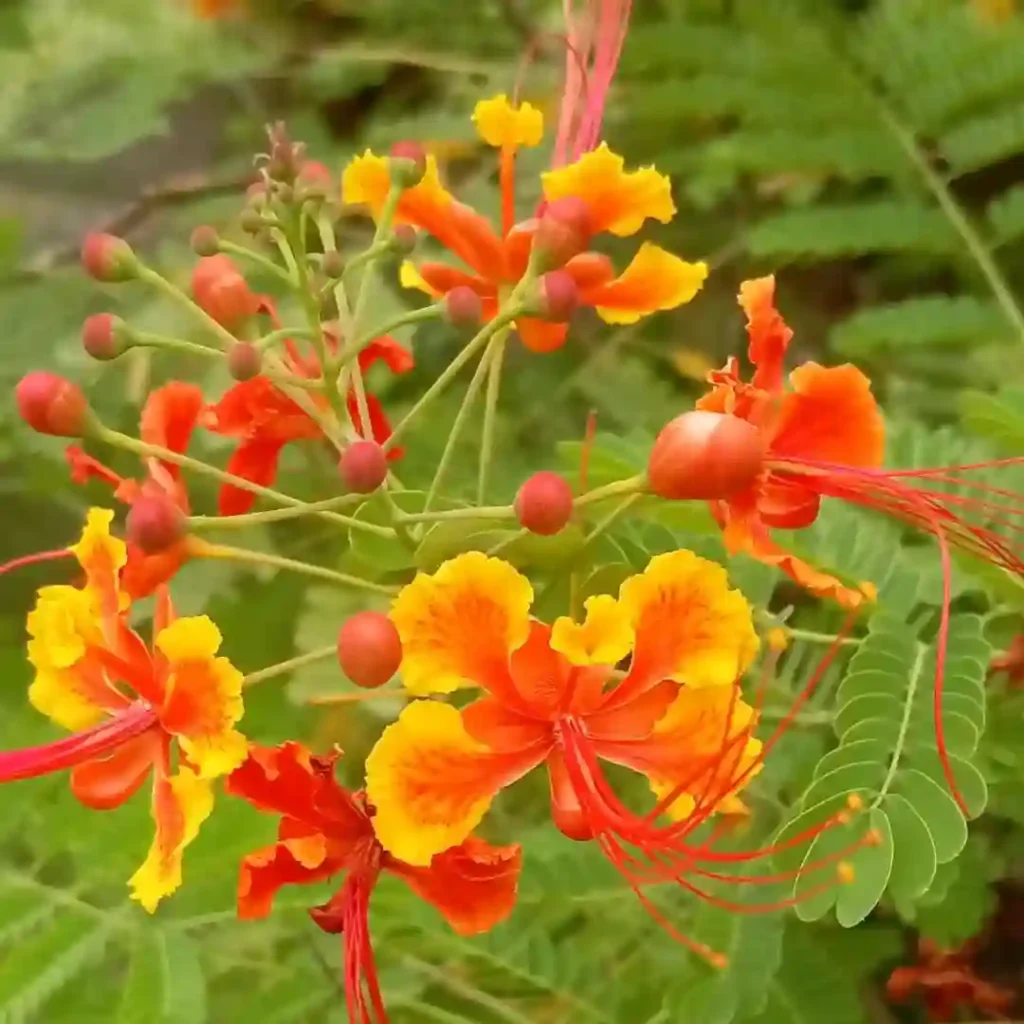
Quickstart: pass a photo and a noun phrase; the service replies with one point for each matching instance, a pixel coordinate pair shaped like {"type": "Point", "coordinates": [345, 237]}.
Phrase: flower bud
{"type": "Point", "coordinates": [369, 649]}
{"type": "Point", "coordinates": [363, 466]}
{"type": "Point", "coordinates": [403, 239]}
{"type": "Point", "coordinates": [105, 336]}
{"type": "Point", "coordinates": [256, 195]}
{"type": "Point", "coordinates": [544, 504]}
{"type": "Point", "coordinates": [205, 241]}
{"type": "Point", "coordinates": [108, 258]}
{"type": "Point", "coordinates": [408, 163]}
{"type": "Point", "coordinates": [155, 523]}
{"type": "Point", "coordinates": [314, 180]}
{"type": "Point", "coordinates": [245, 360]}
{"type": "Point", "coordinates": [562, 232]}
{"type": "Point", "coordinates": [251, 221]}
{"type": "Point", "coordinates": [462, 306]}
{"type": "Point", "coordinates": [222, 292]}
{"type": "Point", "coordinates": [286, 157]}
{"type": "Point", "coordinates": [52, 405]}
{"type": "Point", "coordinates": [557, 296]}
{"type": "Point", "coordinates": [333, 264]}
{"type": "Point", "coordinates": [705, 456]}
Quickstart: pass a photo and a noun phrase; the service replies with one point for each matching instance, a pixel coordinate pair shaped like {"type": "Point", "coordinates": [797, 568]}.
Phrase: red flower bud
{"type": "Point", "coordinates": [558, 296]}
{"type": "Point", "coordinates": [369, 649]}
{"type": "Point", "coordinates": [108, 258]}
{"type": "Point", "coordinates": [245, 360]}
{"type": "Point", "coordinates": [205, 241]}
{"type": "Point", "coordinates": [403, 239]}
{"type": "Point", "coordinates": [563, 232]}
{"type": "Point", "coordinates": [544, 504]}
{"type": "Point", "coordinates": [52, 405]}
{"type": "Point", "coordinates": [221, 290]}
{"type": "Point", "coordinates": [408, 163]}
{"type": "Point", "coordinates": [363, 466]}
{"type": "Point", "coordinates": [462, 306]}
{"type": "Point", "coordinates": [155, 523]}
{"type": "Point", "coordinates": [705, 456]}
{"type": "Point", "coordinates": [105, 336]}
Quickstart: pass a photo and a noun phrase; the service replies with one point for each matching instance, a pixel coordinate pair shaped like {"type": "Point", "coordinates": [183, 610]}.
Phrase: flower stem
{"type": "Point", "coordinates": [497, 359]}
{"type": "Point", "coordinates": [351, 351]}
{"type": "Point", "coordinates": [175, 294]}
{"type": "Point", "coordinates": [259, 259]}
{"type": "Point", "coordinates": [632, 485]}
{"type": "Point", "coordinates": [613, 517]}
{"type": "Point", "coordinates": [284, 667]}
{"type": "Point", "coordinates": [383, 230]}
{"type": "Point", "coordinates": [271, 516]}
{"type": "Point", "coordinates": [506, 542]}
{"type": "Point", "coordinates": [280, 334]}
{"type": "Point", "coordinates": [480, 512]}
{"type": "Point", "coordinates": [203, 550]}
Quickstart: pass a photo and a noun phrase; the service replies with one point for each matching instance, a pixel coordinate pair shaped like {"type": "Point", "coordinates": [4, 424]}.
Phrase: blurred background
{"type": "Point", "coordinates": [869, 152]}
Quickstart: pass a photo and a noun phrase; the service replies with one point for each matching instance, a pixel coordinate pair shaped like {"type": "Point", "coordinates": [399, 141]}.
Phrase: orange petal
{"type": "Point", "coordinates": [473, 884]}
{"type": "Point", "coordinates": [107, 782]}
{"type": "Point", "coordinates": [144, 573]}
{"type": "Point", "coordinates": [619, 201]}
{"type": "Point", "coordinates": [504, 125]}
{"type": "Point", "coordinates": [203, 698]}
{"type": "Point", "coordinates": [437, 279]}
{"type": "Point", "coordinates": [102, 556]}
{"type": "Point", "coordinates": [169, 417]}
{"type": "Point", "coordinates": [769, 336]}
{"type": "Point", "coordinates": [459, 625]}
{"type": "Point", "coordinates": [254, 460]}
{"type": "Point", "coordinates": [431, 783]}
{"type": "Point", "coordinates": [655, 280]}
{"type": "Point", "coordinates": [541, 335]}
{"type": "Point", "coordinates": [540, 673]}
{"type": "Point", "coordinates": [495, 726]}
{"type": "Point", "coordinates": [590, 270]}
{"type": "Point", "coordinates": [297, 861]}
{"type": "Point", "coordinates": [180, 805]}
{"type": "Point", "coordinates": [830, 416]}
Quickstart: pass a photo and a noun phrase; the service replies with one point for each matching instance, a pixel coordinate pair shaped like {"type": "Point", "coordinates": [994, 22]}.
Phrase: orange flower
{"type": "Point", "coordinates": [553, 697]}
{"type": "Point", "coordinates": [265, 419]}
{"type": "Point", "coordinates": [615, 200]}
{"type": "Point", "coordinates": [131, 706]}
{"type": "Point", "coordinates": [168, 419]}
{"type": "Point", "coordinates": [326, 830]}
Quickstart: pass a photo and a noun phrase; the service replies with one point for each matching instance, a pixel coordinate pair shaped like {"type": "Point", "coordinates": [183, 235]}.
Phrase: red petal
{"type": "Point", "coordinates": [169, 417]}
{"type": "Point", "coordinates": [85, 468]}
{"type": "Point", "coordinates": [254, 460]}
{"type": "Point", "coordinates": [108, 782]}
{"type": "Point", "coordinates": [395, 356]}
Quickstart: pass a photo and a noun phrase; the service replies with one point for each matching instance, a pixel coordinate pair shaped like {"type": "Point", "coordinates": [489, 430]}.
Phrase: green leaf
{"type": "Point", "coordinates": [937, 809]}
{"type": "Point", "coordinates": [872, 866]}
{"type": "Point", "coordinates": [184, 999]}
{"type": "Point", "coordinates": [914, 861]}
{"type": "Point", "coordinates": [994, 416]}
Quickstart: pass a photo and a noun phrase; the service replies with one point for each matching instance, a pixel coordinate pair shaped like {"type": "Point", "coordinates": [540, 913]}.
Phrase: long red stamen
{"type": "Point", "coordinates": [31, 762]}
{"type": "Point", "coordinates": [360, 967]}
{"type": "Point", "coordinates": [39, 556]}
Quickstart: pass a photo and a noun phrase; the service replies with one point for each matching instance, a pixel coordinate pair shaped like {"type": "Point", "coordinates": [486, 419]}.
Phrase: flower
{"type": "Point", "coordinates": [326, 830]}
{"type": "Point", "coordinates": [265, 419]}
{"type": "Point", "coordinates": [168, 419]}
{"type": "Point", "coordinates": [615, 200]}
{"type": "Point", "coordinates": [131, 706]}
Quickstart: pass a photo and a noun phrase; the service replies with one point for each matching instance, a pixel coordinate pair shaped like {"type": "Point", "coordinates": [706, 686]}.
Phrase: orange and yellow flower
{"type": "Point", "coordinates": [131, 707]}
{"type": "Point", "coordinates": [325, 831]}
{"type": "Point", "coordinates": [616, 201]}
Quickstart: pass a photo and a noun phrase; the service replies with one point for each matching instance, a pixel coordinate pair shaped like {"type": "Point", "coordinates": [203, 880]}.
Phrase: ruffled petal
{"type": "Point", "coordinates": [540, 673]}
{"type": "Point", "coordinates": [297, 861]}
{"type": "Point", "coordinates": [504, 125]}
{"type": "Point", "coordinates": [459, 625]}
{"type": "Point", "coordinates": [473, 884]}
{"type": "Point", "coordinates": [102, 556]}
{"type": "Point", "coordinates": [655, 280]}
{"type": "Point", "coordinates": [85, 468]}
{"type": "Point", "coordinates": [769, 336]}
{"type": "Point", "coordinates": [605, 636]}
{"type": "Point", "coordinates": [169, 417]}
{"type": "Point", "coordinates": [431, 783]}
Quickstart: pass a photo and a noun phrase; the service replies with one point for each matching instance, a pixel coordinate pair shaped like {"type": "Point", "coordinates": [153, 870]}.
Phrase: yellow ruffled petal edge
{"type": "Point", "coordinates": [604, 637]}
{"type": "Point", "coordinates": [501, 124]}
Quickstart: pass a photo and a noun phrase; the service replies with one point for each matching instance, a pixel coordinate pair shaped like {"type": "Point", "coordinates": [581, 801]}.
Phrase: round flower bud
{"type": "Point", "coordinates": [562, 232]}
{"type": "Point", "coordinates": [462, 306]}
{"type": "Point", "coordinates": [544, 504]}
{"type": "Point", "coordinates": [108, 258]}
{"type": "Point", "coordinates": [52, 405]}
{"type": "Point", "coordinates": [105, 336]}
{"type": "Point", "coordinates": [245, 360]}
{"type": "Point", "coordinates": [205, 241]}
{"type": "Point", "coordinates": [369, 649]}
{"type": "Point", "coordinates": [256, 195]}
{"type": "Point", "coordinates": [363, 466]}
{"type": "Point", "coordinates": [408, 163]}
{"type": "Point", "coordinates": [403, 239]}
{"type": "Point", "coordinates": [155, 523]}
{"type": "Point", "coordinates": [705, 456]}
{"type": "Point", "coordinates": [558, 296]}
{"type": "Point", "coordinates": [314, 180]}
{"type": "Point", "coordinates": [222, 292]}
{"type": "Point", "coordinates": [251, 221]}
{"type": "Point", "coordinates": [333, 264]}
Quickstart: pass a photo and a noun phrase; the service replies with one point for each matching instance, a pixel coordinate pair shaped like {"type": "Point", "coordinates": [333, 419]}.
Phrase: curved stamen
{"type": "Point", "coordinates": [39, 556]}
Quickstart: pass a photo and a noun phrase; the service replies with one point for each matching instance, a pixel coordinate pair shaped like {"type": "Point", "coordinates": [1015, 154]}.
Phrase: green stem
{"type": "Point", "coordinates": [820, 638]}
{"type": "Point", "coordinates": [284, 667]}
{"type": "Point", "coordinates": [363, 408]}
{"type": "Point", "coordinates": [153, 451]}
{"type": "Point", "coordinates": [415, 316]}
{"type": "Point", "coordinates": [480, 512]}
{"type": "Point", "coordinates": [330, 244]}
{"type": "Point", "coordinates": [497, 358]}
{"type": "Point", "coordinates": [901, 738]}
{"type": "Point", "coordinates": [281, 334]}
{"type": "Point", "coordinates": [276, 515]}
{"type": "Point", "coordinates": [382, 232]}
{"type": "Point", "coordinates": [506, 542]}
{"type": "Point", "coordinates": [259, 259]}
{"type": "Point", "coordinates": [176, 295]}
{"type": "Point", "coordinates": [632, 485]}
{"type": "Point", "coordinates": [376, 250]}
{"type": "Point", "coordinates": [204, 550]}
{"type": "Point", "coordinates": [144, 339]}
{"type": "Point", "coordinates": [612, 518]}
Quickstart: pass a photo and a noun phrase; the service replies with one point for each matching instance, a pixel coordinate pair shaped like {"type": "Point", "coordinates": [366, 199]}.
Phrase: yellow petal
{"type": "Point", "coordinates": [654, 281]}
{"type": "Point", "coordinates": [58, 694]}
{"type": "Point", "coordinates": [501, 124]}
{"type": "Point", "coordinates": [366, 181]}
{"type": "Point", "coordinates": [604, 637]}
{"type": "Point", "coordinates": [410, 277]}
{"type": "Point", "coordinates": [190, 638]}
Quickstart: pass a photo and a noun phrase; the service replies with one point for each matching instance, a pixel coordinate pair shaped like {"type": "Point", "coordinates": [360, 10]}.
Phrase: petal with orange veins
{"type": "Point", "coordinates": [298, 861]}
{"type": "Point", "coordinates": [619, 201]}
{"type": "Point", "coordinates": [180, 805]}
{"type": "Point", "coordinates": [690, 625]}
{"type": "Point", "coordinates": [540, 673]}
{"type": "Point", "coordinates": [203, 696]}
{"type": "Point", "coordinates": [501, 729]}
{"type": "Point", "coordinates": [431, 782]}
{"type": "Point", "coordinates": [768, 333]}
{"type": "Point", "coordinates": [169, 417]}
{"type": "Point", "coordinates": [604, 637]}
{"type": "Point", "coordinates": [504, 125]}
{"type": "Point", "coordinates": [830, 416]}
{"type": "Point", "coordinates": [473, 884]}
{"type": "Point", "coordinates": [459, 625]}
{"type": "Point", "coordinates": [541, 335]}
{"type": "Point", "coordinates": [656, 280]}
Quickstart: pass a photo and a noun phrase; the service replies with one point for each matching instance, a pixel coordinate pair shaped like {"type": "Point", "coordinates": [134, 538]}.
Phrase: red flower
{"type": "Point", "coordinates": [326, 830]}
{"type": "Point", "coordinates": [265, 419]}
{"type": "Point", "coordinates": [168, 419]}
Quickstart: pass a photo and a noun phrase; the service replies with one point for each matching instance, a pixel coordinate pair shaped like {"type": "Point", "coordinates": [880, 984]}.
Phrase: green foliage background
{"type": "Point", "coordinates": [870, 153]}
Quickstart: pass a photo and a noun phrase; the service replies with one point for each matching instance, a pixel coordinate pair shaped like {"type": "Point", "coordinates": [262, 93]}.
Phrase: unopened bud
{"type": "Point", "coordinates": [108, 258]}
{"type": "Point", "coordinates": [222, 292]}
{"type": "Point", "coordinates": [205, 241]}
{"type": "Point", "coordinates": [462, 306]}
{"type": "Point", "coordinates": [245, 360]}
{"type": "Point", "coordinates": [286, 157]}
{"type": "Point", "coordinates": [155, 523]}
{"type": "Point", "coordinates": [256, 195]}
{"type": "Point", "coordinates": [251, 221]}
{"type": "Point", "coordinates": [563, 232]}
{"type": "Point", "coordinates": [408, 163]}
{"type": "Point", "coordinates": [363, 466]}
{"type": "Point", "coordinates": [403, 239]}
{"type": "Point", "coordinates": [52, 405]}
{"type": "Point", "coordinates": [333, 264]}
{"type": "Point", "coordinates": [544, 504]}
{"type": "Point", "coordinates": [369, 649]}
{"type": "Point", "coordinates": [557, 296]}
{"type": "Point", "coordinates": [105, 336]}
{"type": "Point", "coordinates": [314, 180]}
